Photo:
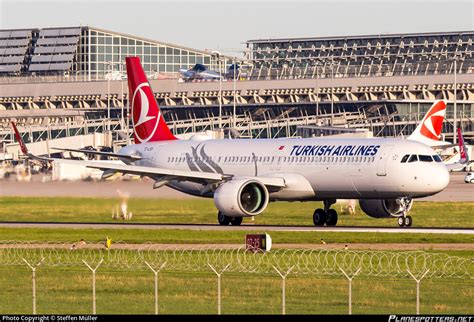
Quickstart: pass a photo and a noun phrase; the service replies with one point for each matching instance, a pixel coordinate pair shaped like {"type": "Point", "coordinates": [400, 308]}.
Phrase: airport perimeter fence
{"type": "Point", "coordinates": [368, 266]}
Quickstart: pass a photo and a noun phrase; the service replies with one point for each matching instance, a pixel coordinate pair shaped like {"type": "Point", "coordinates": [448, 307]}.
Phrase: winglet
{"type": "Point", "coordinates": [23, 147]}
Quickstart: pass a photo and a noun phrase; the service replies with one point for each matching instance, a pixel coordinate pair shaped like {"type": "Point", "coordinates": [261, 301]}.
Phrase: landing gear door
{"type": "Point", "coordinates": [381, 160]}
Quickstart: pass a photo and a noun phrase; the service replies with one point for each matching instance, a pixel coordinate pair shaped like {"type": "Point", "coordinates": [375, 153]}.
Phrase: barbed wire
{"type": "Point", "coordinates": [238, 259]}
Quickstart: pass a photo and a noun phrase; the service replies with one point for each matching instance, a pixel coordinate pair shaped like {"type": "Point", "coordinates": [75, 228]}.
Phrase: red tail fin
{"type": "Point", "coordinates": [429, 129]}
{"type": "Point", "coordinates": [462, 146]}
{"type": "Point", "coordinates": [148, 123]}
{"type": "Point", "coordinates": [23, 147]}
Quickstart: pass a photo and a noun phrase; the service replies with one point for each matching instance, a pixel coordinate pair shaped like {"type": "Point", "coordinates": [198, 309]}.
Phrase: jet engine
{"type": "Point", "coordinates": [241, 198]}
{"type": "Point", "coordinates": [385, 208]}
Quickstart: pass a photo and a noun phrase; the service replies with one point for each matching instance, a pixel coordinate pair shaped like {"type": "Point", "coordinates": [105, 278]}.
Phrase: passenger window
{"type": "Point", "coordinates": [437, 158]}
{"type": "Point", "coordinates": [425, 158]}
{"type": "Point", "coordinates": [405, 158]}
{"type": "Point", "coordinates": [413, 158]}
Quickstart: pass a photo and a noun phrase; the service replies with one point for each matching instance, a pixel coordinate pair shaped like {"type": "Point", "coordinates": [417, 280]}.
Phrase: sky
{"type": "Point", "coordinates": [225, 25]}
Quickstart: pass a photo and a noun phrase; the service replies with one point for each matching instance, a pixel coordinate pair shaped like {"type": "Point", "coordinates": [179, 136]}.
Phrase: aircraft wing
{"type": "Point", "coordinates": [443, 146]}
{"type": "Point", "coordinates": [455, 167]}
{"type": "Point", "coordinates": [24, 149]}
{"type": "Point", "coordinates": [108, 154]}
{"type": "Point", "coordinates": [170, 174]}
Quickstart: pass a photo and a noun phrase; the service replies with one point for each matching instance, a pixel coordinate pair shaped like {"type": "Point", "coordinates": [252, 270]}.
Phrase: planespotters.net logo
{"type": "Point", "coordinates": [418, 318]}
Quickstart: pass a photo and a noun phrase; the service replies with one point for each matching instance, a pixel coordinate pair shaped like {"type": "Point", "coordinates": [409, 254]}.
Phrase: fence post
{"type": "Point", "coordinates": [418, 289]}
{"type": "Point", "coordinates": [283, 288]}
{"type": "Point", "coordinates": [33, 269]}
{"type": "Point", "coordinates": [156, 282]}
{"type": "Point", "coordinates": [350, 286]}
{"type": "Point", "coordinates": [218, 285]}
{"type": "Point", "coordinates": [93, 283]}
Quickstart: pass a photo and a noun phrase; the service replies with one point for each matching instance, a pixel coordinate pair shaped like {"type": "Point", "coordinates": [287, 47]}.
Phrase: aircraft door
{"type": "Point", "coordinates": [276, 160]}
{"type": "Point", "coordinates": [382, 159]}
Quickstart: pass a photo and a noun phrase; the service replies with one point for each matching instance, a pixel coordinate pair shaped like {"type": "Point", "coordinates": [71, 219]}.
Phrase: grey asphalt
{"type": "Point", "coordinates": [464, 231]}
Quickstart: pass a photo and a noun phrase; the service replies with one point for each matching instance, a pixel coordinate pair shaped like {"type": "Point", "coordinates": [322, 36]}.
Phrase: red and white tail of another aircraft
{"type": "Point", "coordinates": [463, 155]}
{"type": "Point", "coordinates": [429, 129]}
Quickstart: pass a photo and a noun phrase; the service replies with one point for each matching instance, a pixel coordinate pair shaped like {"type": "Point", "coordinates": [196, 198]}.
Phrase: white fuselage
{"type": "Point", "coordinates": [313, 169]}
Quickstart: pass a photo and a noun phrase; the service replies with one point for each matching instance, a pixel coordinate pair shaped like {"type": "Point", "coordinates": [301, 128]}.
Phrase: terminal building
{"type": "Point", "coordinates": [361, 56]}
{"type": "Point", "coordinates": [61, 84]}
{"type": "Point", "coordinates": [90, 52]}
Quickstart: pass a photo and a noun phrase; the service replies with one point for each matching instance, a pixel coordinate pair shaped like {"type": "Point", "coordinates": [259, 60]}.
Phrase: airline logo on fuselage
{"type": "Point", "coordinates": [334, 150]}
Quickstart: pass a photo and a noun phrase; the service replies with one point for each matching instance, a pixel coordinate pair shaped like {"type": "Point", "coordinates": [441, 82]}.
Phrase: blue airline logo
{"type": "Point", "coordinates": [335, 150]}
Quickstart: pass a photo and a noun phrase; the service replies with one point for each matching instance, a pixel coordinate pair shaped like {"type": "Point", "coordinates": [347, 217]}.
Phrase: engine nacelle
{"type": "Point", "coordinates": [385, 208]}
{"type": "Point", "coordinates": [241, 198]}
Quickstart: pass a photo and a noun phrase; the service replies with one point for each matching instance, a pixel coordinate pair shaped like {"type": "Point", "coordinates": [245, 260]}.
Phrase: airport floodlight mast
{"type": "Point", "coordinates": [234, 72]}
{"type": "Point", "coordinates": [218, 56]}
{"type": "Point", "coordinates": [455, 99]}
{"type": "Point", "coordinates": [110, 74]}
{"type": "Point", "coordinates": [332, 91]}
{"type": "Point", "coordinates": [316, 66]}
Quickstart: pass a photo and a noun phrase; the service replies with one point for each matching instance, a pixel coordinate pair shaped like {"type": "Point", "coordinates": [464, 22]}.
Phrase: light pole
{"type": "Point", "coordinates": [332, 91]}
{"type": "Point", "coordinates": [317, 91]}
{"type": "Point", "coordinates": [455, 123]}
{"type": "Point", "coordinates": [234, 71]}
{"type": "Point", "coordinates": [109, 68]}
{"type": "Point", "coordinates": [218, 55]}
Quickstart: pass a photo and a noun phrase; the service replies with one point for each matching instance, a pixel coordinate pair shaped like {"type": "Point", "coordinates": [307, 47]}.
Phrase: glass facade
{"type": "Point", "coordinates": [101, 52]}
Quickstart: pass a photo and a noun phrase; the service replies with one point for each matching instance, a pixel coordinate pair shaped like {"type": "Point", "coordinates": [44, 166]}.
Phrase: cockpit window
{"type": "Point", "coordinates": [405, 158]}
{"type": "Point", "coordinates": [425, 158]}
{"type": "Point", "coordinates": [437, 158]}
{"type": "Point", "coordinates": [413, 158]}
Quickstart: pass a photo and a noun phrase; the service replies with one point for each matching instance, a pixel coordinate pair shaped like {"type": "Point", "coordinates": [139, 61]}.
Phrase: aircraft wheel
{"type": "Point", "coordinates": [401, 221]}
{"type": "Point", "coordinates": [319, 217]}
{"type": "Point", "coordinates": [408, 221]}
{"type": "Point", "coordinates": [236, 221]}
{"type": "Point", "coordinates": [331, 217]}
{"type": "Point", "coordinates": [223, 219]}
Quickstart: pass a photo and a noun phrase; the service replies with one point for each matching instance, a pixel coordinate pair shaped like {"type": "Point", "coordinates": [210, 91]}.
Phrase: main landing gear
{"type": "Point", "coordinates": [226, 220]}
{"type": "Point", "coordinates": [327, 215]}
{"type": "Point", "coordinates": [404, 220]}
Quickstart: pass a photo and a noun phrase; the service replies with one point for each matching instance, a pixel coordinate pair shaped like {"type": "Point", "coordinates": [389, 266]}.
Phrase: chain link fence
{"type": "Point", "coordinates": [219, 260]}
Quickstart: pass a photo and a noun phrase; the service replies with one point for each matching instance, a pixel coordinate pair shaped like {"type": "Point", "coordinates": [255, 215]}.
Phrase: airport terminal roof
{"type": "Point", "coordinates": [354, 37]}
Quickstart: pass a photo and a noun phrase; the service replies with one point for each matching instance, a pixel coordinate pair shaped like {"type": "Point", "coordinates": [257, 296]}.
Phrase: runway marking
{"type": "Point", "coordinates": [209, 227]}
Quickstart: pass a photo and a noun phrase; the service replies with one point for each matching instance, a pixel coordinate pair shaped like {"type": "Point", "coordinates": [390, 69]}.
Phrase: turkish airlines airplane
{"type": "Point", "coordinates": [244, 175]}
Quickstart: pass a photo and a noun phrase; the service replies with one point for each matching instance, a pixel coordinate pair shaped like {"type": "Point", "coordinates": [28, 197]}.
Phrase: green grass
{"type": "Point", "coordinates": [200, 211]}
{"type": "Point", "coordinates": [69, 291]}
{"type": "Point", "coordinates": [176, 236]}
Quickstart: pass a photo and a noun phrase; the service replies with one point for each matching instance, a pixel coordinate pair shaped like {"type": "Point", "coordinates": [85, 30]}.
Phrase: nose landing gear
{"type": "Point", "coordinates": [404, 220]}
{"type": "Point", "coordinates": [327, 215]}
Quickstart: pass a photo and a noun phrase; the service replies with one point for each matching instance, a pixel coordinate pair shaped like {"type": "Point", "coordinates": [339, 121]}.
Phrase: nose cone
{"type": "Point", "coordinates": [440, 178]}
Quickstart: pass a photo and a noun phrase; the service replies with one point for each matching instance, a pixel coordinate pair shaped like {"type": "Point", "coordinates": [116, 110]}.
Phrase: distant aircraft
{"type": "Point", "coordinates": [463, 161]}
{"type": "Point", "coordinates": [199, 71]}
{"type": "Point", "coordinates": [243, 176]}
{"type": "Point", "coordinates": [232, 72]}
